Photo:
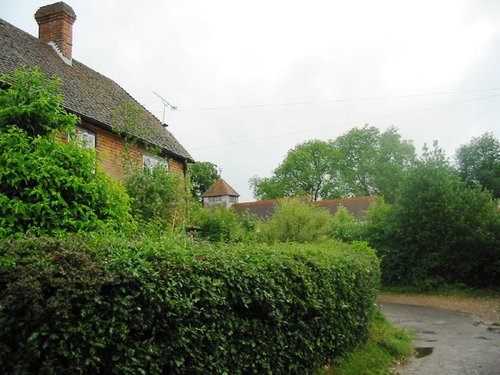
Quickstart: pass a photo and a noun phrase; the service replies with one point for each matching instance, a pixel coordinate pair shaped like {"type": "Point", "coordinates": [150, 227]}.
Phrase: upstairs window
{"type": "Point", "coordinates": [85, 137]}
{"type": "Point", "coordinates": [150, 162]}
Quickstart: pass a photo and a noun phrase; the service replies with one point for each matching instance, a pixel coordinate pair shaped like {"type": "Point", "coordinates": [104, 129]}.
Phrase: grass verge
{"type": "Point", "coordinates": [386, 346]}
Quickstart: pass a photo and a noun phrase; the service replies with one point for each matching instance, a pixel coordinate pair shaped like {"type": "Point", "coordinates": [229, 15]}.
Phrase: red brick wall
{"type": "Point", "coordinates": [111, 153]}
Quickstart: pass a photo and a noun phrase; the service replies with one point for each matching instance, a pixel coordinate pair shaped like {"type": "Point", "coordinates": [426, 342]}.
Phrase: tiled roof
{"type": "Point", "coordinates": [96, 98]}
{"type": "Point", "coordinates": [220, 188]}
{"type": "Point", "coordinates": [263, 209]}
{"type": "Point", "coordinates": [357, 206]}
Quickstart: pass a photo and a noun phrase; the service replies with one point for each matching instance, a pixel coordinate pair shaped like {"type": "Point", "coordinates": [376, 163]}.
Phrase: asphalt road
{"type": "Point", "coordinates": [448, 342]}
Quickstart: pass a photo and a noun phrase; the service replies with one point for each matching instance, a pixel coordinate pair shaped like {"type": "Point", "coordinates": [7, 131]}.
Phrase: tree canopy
{"type": "Point", "coordinates": [202, 174]}
{"type": "Point", "coordinates": [478, 162]}
{"type": "Point", "coordinates": [438, 229]}
{"type": "Point", "coordinates": [364, 161]}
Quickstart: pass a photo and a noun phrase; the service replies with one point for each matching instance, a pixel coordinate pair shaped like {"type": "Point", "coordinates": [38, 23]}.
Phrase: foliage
{"type": "Point", "coordinates": [303, 172]}
{"type": "Point", "coordinates": [371, 162]}
{"type": "Point", "coordinates": [386, 346]}
{"type": "Point", "coordinates": [161, 305]}
{"type": "Point", "coordinates": [224, 225]}
{"type": "Point", "coordinates": [438, 230]}
{"type": "Point", "coordinates": [294, 220]}
{"type": "Point", "coordinates": [202, 176]}
{"type": "Point", "coordinates": [361, 162]}
{"type": "Point", "coordinates": [48, 187]}
{"type": "Point", "coordinates": [478, 162]}
{"type": "Point", "coordinates": [159, 195]}
{"type": "Point", "coordinates": [345, 227]}
{"type": "Point", "coordinates": [128, 124]}
{"type": "Point", "coordinates": [33, 103]}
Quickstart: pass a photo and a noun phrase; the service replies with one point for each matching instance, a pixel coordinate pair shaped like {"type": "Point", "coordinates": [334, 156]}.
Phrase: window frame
{"type": "Point", "coordinates": [150, 162]}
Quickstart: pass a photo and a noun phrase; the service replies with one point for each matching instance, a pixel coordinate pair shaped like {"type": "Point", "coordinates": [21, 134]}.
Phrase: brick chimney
{"type": "Point", "coordinates": [55, 26]}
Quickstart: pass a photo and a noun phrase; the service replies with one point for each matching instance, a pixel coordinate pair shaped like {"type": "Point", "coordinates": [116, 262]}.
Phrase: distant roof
{"type": "Point", "coordinates": [87, 93]}
{"type": "Point", "coordinates": [220, 188]}
{"type": "Point", "coordinates": [264, 209]}
{"type": "Point", "coordinates": [357, 206]}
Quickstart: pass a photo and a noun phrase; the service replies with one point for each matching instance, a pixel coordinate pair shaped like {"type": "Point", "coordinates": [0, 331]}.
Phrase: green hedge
{"type": "Point", "coordinates": [165, 305]}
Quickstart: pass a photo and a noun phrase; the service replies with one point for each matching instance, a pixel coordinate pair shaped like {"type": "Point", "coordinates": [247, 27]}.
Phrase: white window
{"type": "Point", "coordinates": [85, 137]}
{"type": "Point", "coordinates": [150, 162]}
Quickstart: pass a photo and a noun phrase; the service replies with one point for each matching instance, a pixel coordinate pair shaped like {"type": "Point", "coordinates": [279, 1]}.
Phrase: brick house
{"type": "Point", "coordinates": [97, 100]}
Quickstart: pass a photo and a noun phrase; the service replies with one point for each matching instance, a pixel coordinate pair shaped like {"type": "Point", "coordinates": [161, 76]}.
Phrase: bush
{"type": "Point", "coordinates": [47, 187]}
{"type": "Point", "coordinates": [160, 305]}
{"type": "Point", "coordinates": [219, 224]}
{"type": "Point", "coordinates": [345, 227]}
{"type": "Point", "coordinates": [438, 230]}
{"type": "Point", "coordinates": [297, 221]}
{"type": "Point", "coordinates": [159, 195]}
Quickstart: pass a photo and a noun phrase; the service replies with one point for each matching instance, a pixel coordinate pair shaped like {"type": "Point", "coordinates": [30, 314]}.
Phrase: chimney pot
{"type": "Point", "coordinates": [55, 24]}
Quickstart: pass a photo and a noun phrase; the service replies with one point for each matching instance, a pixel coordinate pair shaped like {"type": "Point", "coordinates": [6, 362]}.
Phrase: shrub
{"type": "Point", "coordinates": [224, 225]}
{"type": "Point", "coordinates": [160, 305]}
{"type": "Point", "coordinates": [159, 195]}
{"type": "Point", "coordinates": [438, 230]}
{"type": "Point", "coordinates": [47, 187]}
{"type": "Point", "coordinates": [345, 227]}
{"type": "Point", "coordinates": [297, 221]}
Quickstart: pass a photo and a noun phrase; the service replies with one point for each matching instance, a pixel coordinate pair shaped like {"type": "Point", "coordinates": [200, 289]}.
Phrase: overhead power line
{"type": "Point", "coordinates": [364, 121]}
{"type": "Point", "coordinates": [339, 100]}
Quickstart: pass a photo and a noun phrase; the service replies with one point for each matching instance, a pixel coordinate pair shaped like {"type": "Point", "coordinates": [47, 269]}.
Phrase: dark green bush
{"type": "Point", "coordinates": [437, 231]}
{"type": "Point", "coordinates": [160, 305]}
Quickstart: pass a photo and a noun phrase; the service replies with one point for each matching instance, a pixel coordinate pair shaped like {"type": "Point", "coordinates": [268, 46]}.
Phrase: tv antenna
{"type": "Point", "coordinates": [165, 106]}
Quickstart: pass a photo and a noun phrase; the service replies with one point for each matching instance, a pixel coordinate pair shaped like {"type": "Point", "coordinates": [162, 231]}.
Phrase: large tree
{"type": "Point", "coordinates": [371, 162]}
{"type": "Point", "coordinates": [478, 162]}
{"type": "Point", "coordinates": [363, 161]}
{"type": "Point", "coordinates": [305, 171]}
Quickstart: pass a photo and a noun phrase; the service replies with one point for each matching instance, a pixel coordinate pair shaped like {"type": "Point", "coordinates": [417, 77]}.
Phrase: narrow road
{"type": "Point", "coordinates": [448, 342]}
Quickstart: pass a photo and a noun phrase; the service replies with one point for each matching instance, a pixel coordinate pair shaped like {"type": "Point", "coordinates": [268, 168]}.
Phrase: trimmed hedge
{"type": "Point", "coordinates": [164, 305]}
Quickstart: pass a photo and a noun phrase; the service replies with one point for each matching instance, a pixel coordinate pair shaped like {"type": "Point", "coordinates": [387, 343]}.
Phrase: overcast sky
{"type": "Point", "coordinates": [251, 79]}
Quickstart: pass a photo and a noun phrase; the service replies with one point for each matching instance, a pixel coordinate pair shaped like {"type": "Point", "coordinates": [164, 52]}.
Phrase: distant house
{"type": "Point", "coordinates": [264, 209]}
{"type": "Point", "coordinates": [96, 99]}
{"type": "Point", "coordinates": [220, 194]}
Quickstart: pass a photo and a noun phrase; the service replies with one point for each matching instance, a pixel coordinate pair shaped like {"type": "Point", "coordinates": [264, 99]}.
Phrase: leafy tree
{"type": "Point", "coordinates": [438, 229]}
{"type": "Point", "coordinates": [297, 221]}
{"type": "Point", "coordinates": [202, 176]}
{"type": "Point", "coordinates": [478, 162]}
{"type": "Point", "coordinates": [370, 162]}
{"type": "Point", "coordinates": [360, 162]}
{"type": "Point", "coordinates": [48, 187]}
{"type": "Point", "coordinates": [305, 171]}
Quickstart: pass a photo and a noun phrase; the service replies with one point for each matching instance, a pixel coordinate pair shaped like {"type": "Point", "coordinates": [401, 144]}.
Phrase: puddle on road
{"type": "Point", "coordinates": [482, 338]}
{"type": "Point", "coordinates": [428, 332]}
{"type": "Point", "coordinates": [423, 352]}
